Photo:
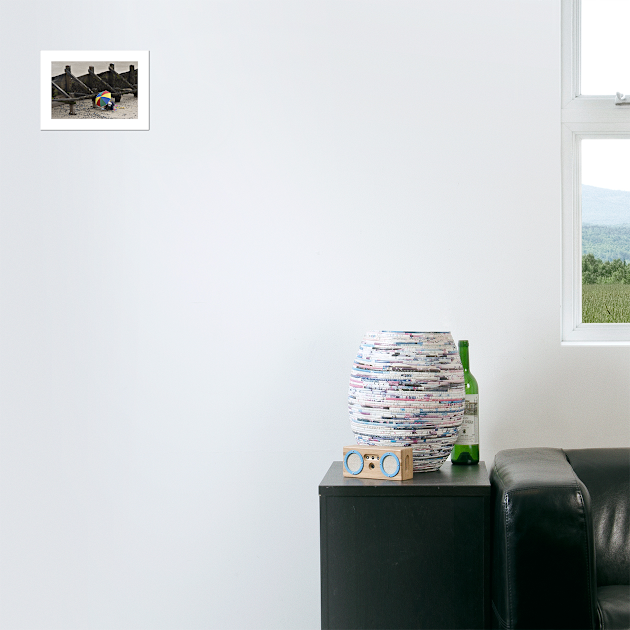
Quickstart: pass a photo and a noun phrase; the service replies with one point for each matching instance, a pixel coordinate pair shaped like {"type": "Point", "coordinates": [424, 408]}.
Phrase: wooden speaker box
{"type": "Point", "coordinates": [375, 462]}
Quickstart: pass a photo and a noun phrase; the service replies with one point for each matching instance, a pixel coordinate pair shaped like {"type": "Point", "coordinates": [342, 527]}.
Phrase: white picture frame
{"type": "Point", "coordinates": [48, 123]}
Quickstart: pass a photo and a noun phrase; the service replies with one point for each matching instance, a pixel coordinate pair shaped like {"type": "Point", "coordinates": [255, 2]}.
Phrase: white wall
{"type": "Point", "coordinates": [178, 321]}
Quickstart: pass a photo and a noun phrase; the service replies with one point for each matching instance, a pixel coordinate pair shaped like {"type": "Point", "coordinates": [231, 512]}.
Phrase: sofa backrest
{"type": "Point", "coordinates": [606, 474]}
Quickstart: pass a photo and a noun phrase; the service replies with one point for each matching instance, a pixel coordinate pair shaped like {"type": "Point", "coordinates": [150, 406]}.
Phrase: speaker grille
{"type": "Point", "coordinates": [390, 464]}
{"type": "Point", "coordinates": [354, 463]}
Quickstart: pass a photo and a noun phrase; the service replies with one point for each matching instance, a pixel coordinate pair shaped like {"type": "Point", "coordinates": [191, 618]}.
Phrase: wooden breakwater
{"type": "Point", "coordinates": [66, 88]}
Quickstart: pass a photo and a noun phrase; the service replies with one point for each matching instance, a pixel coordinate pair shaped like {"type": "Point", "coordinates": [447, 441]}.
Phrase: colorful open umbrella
{"type": "Point", "coordinates": [103, 98]}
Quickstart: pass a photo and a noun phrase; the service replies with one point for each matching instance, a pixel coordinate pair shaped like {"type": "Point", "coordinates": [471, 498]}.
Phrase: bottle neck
{"type": "Point", "coordinates": [463, 353]}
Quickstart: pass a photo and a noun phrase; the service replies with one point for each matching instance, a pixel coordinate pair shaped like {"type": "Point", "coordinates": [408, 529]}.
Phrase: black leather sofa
{"type": "Point", "coordinates": [561, 539]}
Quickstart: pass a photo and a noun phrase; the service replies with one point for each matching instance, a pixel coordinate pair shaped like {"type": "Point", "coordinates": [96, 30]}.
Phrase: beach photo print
{"type": "Point", "coordinates": [95, 90]}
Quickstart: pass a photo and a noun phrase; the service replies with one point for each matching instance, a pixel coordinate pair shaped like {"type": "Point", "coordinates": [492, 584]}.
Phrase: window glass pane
{"type": "Point", "coordinates": [606, 231]}
{"type": "Point", "coordinates": [605, 48]}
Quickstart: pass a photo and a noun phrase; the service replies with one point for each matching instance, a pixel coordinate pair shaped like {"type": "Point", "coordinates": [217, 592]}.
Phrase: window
{"type": "Point", "coordinates": [595, 168]}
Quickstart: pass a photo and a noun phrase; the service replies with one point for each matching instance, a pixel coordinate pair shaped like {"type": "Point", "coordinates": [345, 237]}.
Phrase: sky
{"type": "Point", "coordinates": [606, 70]}
{"type": "Point", "coordinates": [605, 51]}
{"type": "Point", "coordinates": [606, 163]}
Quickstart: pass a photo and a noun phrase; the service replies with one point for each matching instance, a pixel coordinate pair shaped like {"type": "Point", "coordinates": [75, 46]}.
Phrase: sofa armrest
{"type": "Point", "coordinates": [543, 571]}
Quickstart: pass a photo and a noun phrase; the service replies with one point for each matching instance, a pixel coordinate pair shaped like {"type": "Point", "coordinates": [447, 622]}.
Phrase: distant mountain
{"type": "Point", "coordinates": [601, 206]}
{"type": "Point", "coordinates": [605, 223]}
{"type": "Point", "coordinates": [606, 242]}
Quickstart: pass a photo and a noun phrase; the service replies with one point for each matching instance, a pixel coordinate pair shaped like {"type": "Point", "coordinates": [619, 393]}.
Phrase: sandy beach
{"type": "Point", "coordinates": [126, 108]}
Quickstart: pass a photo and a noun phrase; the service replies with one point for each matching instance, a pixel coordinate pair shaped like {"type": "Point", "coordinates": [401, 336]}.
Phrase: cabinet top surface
{"type": "Point", "coordinates": [449, 480]}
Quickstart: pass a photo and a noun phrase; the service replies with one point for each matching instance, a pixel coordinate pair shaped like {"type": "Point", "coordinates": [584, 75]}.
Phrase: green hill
{"type": "Point", "coordinates": [606, 242]}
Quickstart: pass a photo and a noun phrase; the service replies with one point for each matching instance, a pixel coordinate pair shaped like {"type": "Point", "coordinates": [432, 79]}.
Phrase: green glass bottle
{"type": "Point", "coordinates": [466, 449]}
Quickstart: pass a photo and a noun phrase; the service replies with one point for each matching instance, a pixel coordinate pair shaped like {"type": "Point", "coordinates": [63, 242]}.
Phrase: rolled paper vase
{"type": "Point", "coordinates": [407, 389]}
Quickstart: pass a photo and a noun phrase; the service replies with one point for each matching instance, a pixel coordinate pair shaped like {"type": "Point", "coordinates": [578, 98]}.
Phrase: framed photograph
{"type": "Point", "coordinates": [105, 90]}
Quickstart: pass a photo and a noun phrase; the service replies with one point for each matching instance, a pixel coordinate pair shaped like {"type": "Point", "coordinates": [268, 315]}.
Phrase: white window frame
{"type": "Point", "coordinates": [582, 117]}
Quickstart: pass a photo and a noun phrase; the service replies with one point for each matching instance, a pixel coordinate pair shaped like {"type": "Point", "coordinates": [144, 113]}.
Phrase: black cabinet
{"type": "Point", "coordinates": [406, 554]}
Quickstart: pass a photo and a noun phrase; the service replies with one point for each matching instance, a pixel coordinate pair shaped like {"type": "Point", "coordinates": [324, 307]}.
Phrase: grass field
{"type": "Point", "coordinates": [605, 303]}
